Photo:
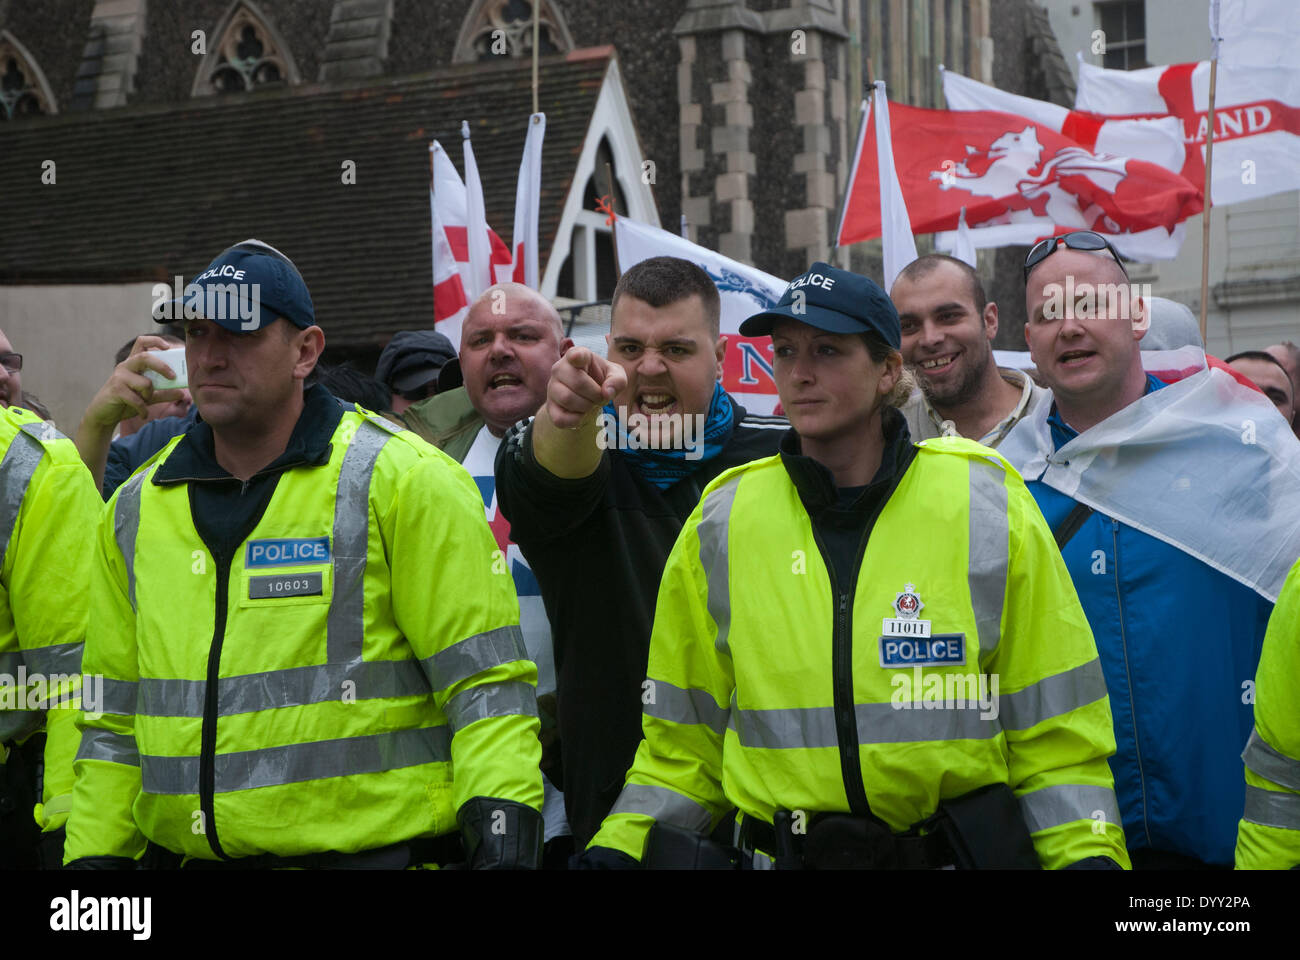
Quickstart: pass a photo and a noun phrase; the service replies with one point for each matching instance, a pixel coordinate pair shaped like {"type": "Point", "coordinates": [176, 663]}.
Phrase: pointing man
{"type": "Point", "coordinates": [597, 524]}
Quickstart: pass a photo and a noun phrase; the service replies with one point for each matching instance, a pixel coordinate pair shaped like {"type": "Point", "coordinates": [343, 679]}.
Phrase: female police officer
{"type": "Point", "coordinates": [868, 647]}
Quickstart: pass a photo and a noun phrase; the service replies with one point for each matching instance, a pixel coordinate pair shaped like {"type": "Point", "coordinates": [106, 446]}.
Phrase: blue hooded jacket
{"type": "Point", "coordinates": [1179, 643]}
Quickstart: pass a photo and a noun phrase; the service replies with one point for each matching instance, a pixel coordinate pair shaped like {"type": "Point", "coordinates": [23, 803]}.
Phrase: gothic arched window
{"type": "Point", "coordinates": [504, 28]}
{"type": "Point", "coordinates": [23, 90]}
{"type": "Point", "coordinates": [249, 54]}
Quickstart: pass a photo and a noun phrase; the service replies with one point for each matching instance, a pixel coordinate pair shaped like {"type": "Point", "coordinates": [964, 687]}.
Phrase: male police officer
{"type": "Point", "coordinates": [47, 503]}
{"type": "Point", "coordinates": [308, 658]}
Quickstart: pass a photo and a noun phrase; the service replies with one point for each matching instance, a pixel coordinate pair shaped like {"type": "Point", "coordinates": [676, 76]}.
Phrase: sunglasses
{"type": "Point", "coordinates": [1078, 240]}
{"type": "Point", "coordinates": [13, 362]}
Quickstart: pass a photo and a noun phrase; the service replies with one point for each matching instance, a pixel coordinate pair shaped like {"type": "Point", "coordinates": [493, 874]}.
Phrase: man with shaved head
{"type": "Point", "coordinates": [1178, 639]}
{"type": "Point", "coordinates": [510, 340]}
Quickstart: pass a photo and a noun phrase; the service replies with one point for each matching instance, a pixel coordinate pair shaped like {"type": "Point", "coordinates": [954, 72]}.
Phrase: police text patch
{"type": "Point", "coordinates": [940, 650]}
{"type": "Point", "coordinates": [286, 585]}
{"type": "Point", "coordinates": [283, 553]}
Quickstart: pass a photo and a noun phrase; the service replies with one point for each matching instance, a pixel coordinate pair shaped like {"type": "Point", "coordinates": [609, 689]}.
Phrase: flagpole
{"type": "Point", "coordinates": [613, 231]}
{"type": "Point", "coordinates": [1209, 166]}
{"type": "Point", "coordinates": [536, 31]}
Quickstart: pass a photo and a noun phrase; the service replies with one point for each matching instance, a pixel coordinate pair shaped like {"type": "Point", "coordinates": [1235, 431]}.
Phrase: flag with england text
{"type": "Point", "coordinates": [1256, 119]}
{"type": "Point", "coordinates": [743, 290]}
{"type": "Point", "coordinates": [1019, 181]}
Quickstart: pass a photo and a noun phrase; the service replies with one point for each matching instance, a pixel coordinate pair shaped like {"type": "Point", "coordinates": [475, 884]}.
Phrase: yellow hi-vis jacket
{"type": "Point", "coordinates": [1268, 836]}
{"type": "Point", "coordinates": [48, 508]}
{"type": "Point", "coordinates": [351, 680]}
{"type": "Point", "coordinates": [740, 700]}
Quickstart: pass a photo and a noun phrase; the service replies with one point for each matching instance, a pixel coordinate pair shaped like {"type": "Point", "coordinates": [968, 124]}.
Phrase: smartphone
{"type": "Point", "coordinates": [174, 358]}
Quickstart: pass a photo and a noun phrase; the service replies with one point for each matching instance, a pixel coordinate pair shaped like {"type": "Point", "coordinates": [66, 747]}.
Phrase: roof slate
{"type": "Point", "coordinates": [153, 192]}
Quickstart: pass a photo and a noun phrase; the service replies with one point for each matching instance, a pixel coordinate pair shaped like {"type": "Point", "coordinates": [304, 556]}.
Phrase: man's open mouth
{"type": "Point", "coordinates": [656, 402]}
{"type": "Point", "coordinates": [1072, 357]}
{"type": "Point", "coordinates": [935, 364]}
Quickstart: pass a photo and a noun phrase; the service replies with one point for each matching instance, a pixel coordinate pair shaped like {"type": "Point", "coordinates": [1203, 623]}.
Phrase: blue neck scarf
{"type": "Point", "coordinates": [663, 468]}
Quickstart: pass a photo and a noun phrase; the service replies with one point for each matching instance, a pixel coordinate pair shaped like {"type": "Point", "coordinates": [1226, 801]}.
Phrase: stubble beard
{"type": "Point", "coordinates": [962, 392]}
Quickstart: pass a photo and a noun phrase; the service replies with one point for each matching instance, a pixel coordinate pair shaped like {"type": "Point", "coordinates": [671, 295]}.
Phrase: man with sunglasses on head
{"type": "Point", "coordinates": [1179, 640]}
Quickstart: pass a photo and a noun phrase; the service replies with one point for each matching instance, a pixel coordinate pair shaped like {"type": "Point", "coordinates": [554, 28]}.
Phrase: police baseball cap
{"type": "Point", "coordinates": [833, 300]}
{"type": "Point", "coordinates": [412, 358]}
{"type": "Point", "coordinates": [244, 289]}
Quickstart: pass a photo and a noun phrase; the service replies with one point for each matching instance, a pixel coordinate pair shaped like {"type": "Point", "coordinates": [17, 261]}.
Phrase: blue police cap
{"type": "Point", "coordinates": [833, 300]}
{"type": "Point", "coordinates": [244, 289]}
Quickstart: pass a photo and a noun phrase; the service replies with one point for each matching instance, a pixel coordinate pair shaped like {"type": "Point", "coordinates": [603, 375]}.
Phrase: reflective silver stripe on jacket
{"type": "Point", "coordinates": [119, 697]}
{"type": "Point", "coordinates": [1271, 764]}
{"type": "Point", "coordinates": [112, 747]}
{"type": "Point", "coordinates": [989, 546]}
{"type": "Point", "coordinates": [473, 655]}
{"type": "Point", "coordinates": [57, 658]}
{"type": "Point", "coordinates": [1053, 696]}
{"type": "Point", "coordinates": [1066, 803]}
{"type": "Point", "coordinates": [346, 624]}
{"type": "Point", "coordinates": [679, 705]}
{"type": "Point", "coordinates": [814, 727]}
{"type": "Point", "coordinates": [1269, 808]}
{"type": "Point", "coordinates": [299, 762]}
{"type": "Point", "coordinates": [126, 527]}
{"type": "Point", "coordinates": [713, 531]}
{"type": "Point", "coordinates": [664, 805]}
{"type": "Point", "coordinates": [505, 699]}
{"type": "Point", "coordinates": [16, 469]}
{"type": "Point", "coordinates": [292, 687]}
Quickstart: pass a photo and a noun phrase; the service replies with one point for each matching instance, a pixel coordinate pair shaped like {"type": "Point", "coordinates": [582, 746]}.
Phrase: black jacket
{"type": "Point", "coordinates": [842, 518]}
{"type": "Point", "coordinates": [598, 546]}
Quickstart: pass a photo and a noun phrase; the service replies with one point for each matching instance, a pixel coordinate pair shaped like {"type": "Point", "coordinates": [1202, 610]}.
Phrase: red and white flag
{"type": "Point", "coordinates": [489, 257]}
{"type": "Point", "coordinates": [1157, 139]}
{"type": "Point", "coordinates": [1256, 119]}
{"type": "Point", "coordinates": [1019, 181]}
{"type": "Point", "coordinates": [528, 204]}
{"type": "Point", "coordinates": [453, 286]}
{"type": "Point", "coordinates": [899, 246]}
{"type": "Point", "coordinates": [743, 290]}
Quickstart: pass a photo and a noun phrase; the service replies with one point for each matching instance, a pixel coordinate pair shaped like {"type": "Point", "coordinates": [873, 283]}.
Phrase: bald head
{"type": "Point", "coordinates": [511, 338]}
{"type": "Point", "coordinates": [515, 298]}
